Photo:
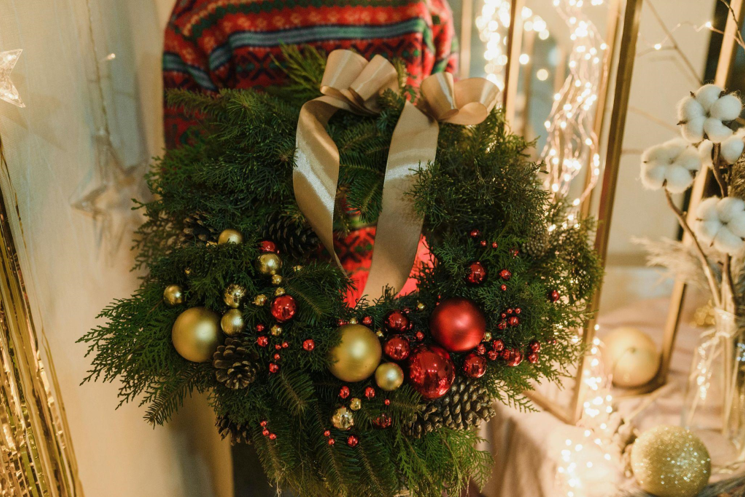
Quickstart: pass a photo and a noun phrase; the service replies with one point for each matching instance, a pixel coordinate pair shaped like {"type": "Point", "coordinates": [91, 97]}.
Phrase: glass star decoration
{"type": "Point", "coordinates": [8, 90]}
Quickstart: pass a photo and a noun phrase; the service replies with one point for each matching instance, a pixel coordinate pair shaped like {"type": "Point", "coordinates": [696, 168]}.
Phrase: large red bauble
{"type": "Point", "coordinates": [457, 324]}
{"type": "Point", "coordinates": [284, 308]}
{"type": "Point", "coordinates": [431, 371]}
{"type": "Point", "coordinates": [397, 348]}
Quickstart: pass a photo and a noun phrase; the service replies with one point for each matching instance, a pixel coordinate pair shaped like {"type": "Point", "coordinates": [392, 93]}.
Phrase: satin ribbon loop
{"type": "Point", "coordinates": [466, 102]}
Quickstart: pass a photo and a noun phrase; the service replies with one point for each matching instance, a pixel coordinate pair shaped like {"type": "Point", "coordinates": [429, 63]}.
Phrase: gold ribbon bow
{"type": "Point", "coordinates": [352, 83]}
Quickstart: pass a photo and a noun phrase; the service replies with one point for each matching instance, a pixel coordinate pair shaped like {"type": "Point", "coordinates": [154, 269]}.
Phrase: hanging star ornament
{"type": "Point", "coordinates": [8, 90]}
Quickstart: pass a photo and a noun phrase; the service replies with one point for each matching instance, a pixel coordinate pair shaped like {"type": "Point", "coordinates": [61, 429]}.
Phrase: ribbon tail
{"type": "Point", "coordinates": [413, 146]}
{"type": "Point", "coordinates": [316, 174]}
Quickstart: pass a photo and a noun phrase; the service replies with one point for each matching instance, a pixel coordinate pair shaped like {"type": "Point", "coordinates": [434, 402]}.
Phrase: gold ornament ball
{"type": "Point", "coordinates": [232, 322]}
{"type": "Point", "coordinates": [268, 263]}
{"type": "Point", "coordinates": [276, 330]}
{"type": "Point", "coordinates": [343, 419]}
{"type": "Point", "coordinates": [260, 300]}
{"type": "Point", "coordinates": [276, 280]}
{"type": "Point", "coordinates": [173, 295]}
{"type": "Point", "coordinates": [355, 404]}
{"type": "Point", "coordinates": [196, 334]}
{"type": "Point", "coordinates": [389, 376]}
{"type": "Point", "coordinates": [358, 354]}
{"type": "Point", "coordinates": [633, 357]}
{"type": "Point", "coordinates": [670, 461]}
{"type": "Point", "coordinates": [230, 236]}
{"type": "Point", "coordinates": [279, 291]}
{"type": "Point", "coordinates": [233, 295]}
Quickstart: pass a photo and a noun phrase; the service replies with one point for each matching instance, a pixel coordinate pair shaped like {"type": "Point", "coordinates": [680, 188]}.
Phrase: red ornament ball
{"type": "Point", "coordinates": [503, 287]}
{"type": "Point", "coordinates": [344, 392]}
{"type": "Point", "coordinates": [502, 325]}
{"type": "Point", "coordinates": [476, 273]}
{"type": "Point", "coordinates": [264, 423]}
{"type": "Point", "coordinates": [285, 345]}
{"type": "Point", "coordinates": [387, 402]}
{"type": "Point", "coordinates": [494, 245]}
{"type": "Point", "coordinates": [278, 347]}
{"type": "Point", "coordinates": [352, 441]}
{"type": "Point", "coordinates": [265, 432]}
{"type": "Point", "coordinates": [331, 441]}
{"type": "Point", "coordinates": [554, 296]}
{"type": "Point", "coordinates": [492, 355]}
{"type": "Point", "coordinates": [309, 345]}
{"type": "Point", "coordinates": [327, 433]}
{"type": "Point", "coordinates": [533, 357]}
{"type": "Point", "coordinates": [284, 308]}
{"type": "Point", "coordinates": [397, 348]}
{"type": "Point", "coordinates": [419, 336]}
{"type": "Point", "coordinates": [482, 243]}
{"type": "Point", "coordinates": [498, 345]}
{"type": "Point", "coordinates": [513, 321]}
{"type": "Point", "coordinates": [481, 349]}
{"type": "Point", "coordinates": [262, 341]}
{"type": "Point", "coordinates": [370, 392]}
{"type": "Point", "coordinates": [273, 368]}
{"type": "Point", "coordinates": [367, 321]}
{"type": "Point", "coordinates": [514, 357]}
{"type": "Point", "coordinates": [475, 233]}
{"type": "Point", "coordinates": [474, 366]}
{"type": "Point", "coordinates": [277, 357]}
{"type": "Point", "coordinates": [272, 436]}
{"type": "Point", "coordinates": [458, 324]}
{"type": "Point", "coordinates": [518, 310]}
{"type": "Point", "coordinates": [266, 246]}
{"type": "Point", "coordinates": [535, 346]}
{"type": "Point", "coordinates": [431, 371]}
{"type": "Point", "coordinates": [505, 274]}
{"type": "Point", "coordinates": [396, 321]}
{"type": "Point", "coordinates": [260, 328]}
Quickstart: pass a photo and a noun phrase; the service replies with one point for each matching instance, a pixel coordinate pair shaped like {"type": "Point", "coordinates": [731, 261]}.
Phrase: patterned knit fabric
{"type": "Point", "coordinates": [214, 44]}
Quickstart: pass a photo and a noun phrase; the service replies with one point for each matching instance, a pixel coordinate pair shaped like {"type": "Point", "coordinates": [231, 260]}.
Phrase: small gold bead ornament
{"type": "Point", "coordinates": [487, 337]}
{"type": "Point", "coordinates": [276, 280]}
{"type": "Point", "coordinates": [420, 306]}
{"type": "Point", "coordinates": [232, 323]}
{"type": "Point", "coordinates": [268, 263]}
{"type": "Point", "coordinates": [297, 269]}
{"type": "Point", "coordinates": [276, 330]}
{"type": "Point", "coordinates": [355, 404]}
{"type": "Point", "coordinates": [260, 300]}
{"type": "Point", "coordinates": [279, 292]}
{"type": "Point", "coordinates": [173, 295]}
{"type": "Point", "coordinates": [233, 295]}
{"type": "Point", "coordinates": [343, 419]}
{"type": "Point", "coordinates": [230, 236]}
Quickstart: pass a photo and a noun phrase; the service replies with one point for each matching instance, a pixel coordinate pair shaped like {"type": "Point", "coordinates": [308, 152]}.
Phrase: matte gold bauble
{"type": "Point", "coordinates": [268, 263]}
{"type": "Point", "coordinates": [632, 356]}
{"type": "Point", "coordinates": [389, 376]}
{"type": "Point", "coordinates": [232, 322]}
{"type": "Point", "coordinates": [196, 334]}
{"type": "Point", "coordinates": [230, 236]}
{"type": "Point", "coordinates": [358, 354]}
{"type": "Point", "coordinates": [343, 419]}
{"type": "Point", "coordinates": [173, 295]}
{"type": "Point", "coordinates": [670, 461]}
{"type": "Point", "coordinates": [233, 295]}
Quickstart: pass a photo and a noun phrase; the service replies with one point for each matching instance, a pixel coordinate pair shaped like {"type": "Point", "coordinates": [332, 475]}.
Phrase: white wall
{"type": "Point", "coordinates": [75, 265]}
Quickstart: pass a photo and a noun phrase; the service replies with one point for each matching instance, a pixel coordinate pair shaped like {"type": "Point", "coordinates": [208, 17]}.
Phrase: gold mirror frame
{"type": "Point", "coordinates": [36, 455]}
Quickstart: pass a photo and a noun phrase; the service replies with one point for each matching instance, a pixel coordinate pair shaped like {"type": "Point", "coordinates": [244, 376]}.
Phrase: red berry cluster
{"type": "Point", "coordinates": [265, 431]}
{"type": "Point", "coordinates": [509, 318]}
{"type": "Point", "coordinates": [476, 234]}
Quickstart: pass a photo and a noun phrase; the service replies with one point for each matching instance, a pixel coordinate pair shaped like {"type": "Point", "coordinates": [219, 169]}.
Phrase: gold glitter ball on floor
{"type": "Point", "coordinates": [670, 461]}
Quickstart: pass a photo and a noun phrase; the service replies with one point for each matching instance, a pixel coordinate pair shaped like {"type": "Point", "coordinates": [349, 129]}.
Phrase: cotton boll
{"type": "Point", "coordinates": [707, 95]}
{"type": "Point", "coordinates": [730, 207]}
{"type": "Point", "coordinates": [693, 129]}
{"type": "Point", "coordinates": [727, 108]}
{"type": "Point", "coordinates": [652, 176]}
{"type": "Point", "coordinates": [689, 108]}
{"type": "Point", "coordinates": [689, 159]}
{"type": "Point", "coordinates": [716, 131]}
{"type": "Point", "coordinates": [737, 225]}
{"type": "Point", "coordinates": [728, 242]}
{"type": "Point", "coordinates": [705, 149]}
{"type": "Point", "coordinates": [707, 230]}
{"type": "Point", "coordinates": [707, 209]}
{"type": "Point", "coordinates": [732, 149]}
{"type": "Point", "coordinates": [678, 179]}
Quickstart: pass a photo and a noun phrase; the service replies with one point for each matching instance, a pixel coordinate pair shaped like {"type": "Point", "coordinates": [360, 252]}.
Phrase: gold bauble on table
{"type": "Point", "coordinates": [670, 461]}
{"type": "Point", "coordinates": [268, 263]}
{"type": "Point", "coordinates": [173, 295]}
{"type": "Point", "coordinates": [632, 356]}
{"type": "Point", "coordinates": [358, 354]}
{"type": "Point", "coordinates": [389, 376]}
{"type": "Point", "coordinates": [232, 322]}
{"type": "Point", "coordinates": [230, 236]}
{"type": "Point", "coordinates": [343, 419]}
{"type": "Point", "coordinates": [234, 295]}
{"type": "Point", "coordinates": [196, 334]}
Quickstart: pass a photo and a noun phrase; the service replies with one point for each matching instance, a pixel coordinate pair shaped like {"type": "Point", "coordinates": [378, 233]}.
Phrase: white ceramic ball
{"type": "Point", "coordinates": [632, 357]}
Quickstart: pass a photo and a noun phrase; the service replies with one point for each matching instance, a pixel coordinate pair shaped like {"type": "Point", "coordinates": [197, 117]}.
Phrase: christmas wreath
{"type": "Point", "coordinates": [239, 299]}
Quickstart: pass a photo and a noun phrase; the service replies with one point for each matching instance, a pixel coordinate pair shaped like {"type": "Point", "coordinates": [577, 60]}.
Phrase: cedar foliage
{"type": "Point", "coordinates": [237, 176]}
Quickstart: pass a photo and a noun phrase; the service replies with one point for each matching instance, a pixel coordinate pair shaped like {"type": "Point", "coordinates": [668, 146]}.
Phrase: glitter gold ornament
{"type": "Point", "coordinates": [670, 461]}
{"type": "Point", "coordinates": [260, 300]}
{"type": "Point", "coordinates": [233, 295]}
{"type": "Point", "coordinates": [173, 295]}
{"type": "Point", "coordinates": [232, 322]}
{"type": "Point", "coordinates": [196, 334]}
{"type": "Point", "coordinates": [276, 279]}
{"type": "Point", "coordinates": [357, 355]}
{"type": "Point", "coordinates": [230, 236]}
{"type": "Point", "coordinates": [355, 404]}
{"type": "Point", "coordinates": [268, 263]}
{"type": "Point", "coordinates": [389, 376]}
{"type": "Point", "coordinates": [276, 330]}
{"type": "Point", "coordinates": [343, 419]}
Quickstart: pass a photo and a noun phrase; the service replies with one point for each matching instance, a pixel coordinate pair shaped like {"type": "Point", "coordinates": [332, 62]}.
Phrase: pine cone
{"type": "Point", "coordinates": [234, 364]}
{"type": "Point", "coordinates": [466, 404]}
{"type": "Point", "coordinates": [238, 432]}
{"type": "Point", "coordinates": [538, 242]}
{"type": "Point", "coordinates": [290, 237]}
{"type": "Point", "coordinates": [195, 230]}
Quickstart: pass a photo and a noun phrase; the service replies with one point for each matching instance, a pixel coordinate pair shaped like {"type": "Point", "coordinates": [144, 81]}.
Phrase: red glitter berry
{"type": "Point", "coordinates": [285, 345]}
{"type": "Point", "coordinates": [327, 433]}
{"type": "Point", "coordinates": [260, 328]}
{"type": "Point", "coordinates": [533, 358]}
{"type": "Point", "coordinates": [264, 423]}
{"type": "Point", "coordinates": [387, 402]}
{"type": "Point", "coordinates": [342, 322]}
{"type": "Point", "coordinates": [503, 288]}
{"type": "Point", "coordinates": [309, 345]}
{"type": "Point", "coordinates": [481, 349]}
{"type": "Point", "coordinates": [498, 345]}
{"type": "Point", "coordinates": [518, 310]}
{"type": "Point", "coordinates": [504, 315]}
{"type": "Point", "coordinates": [502, 325]}
{"type": "Point", "coordinates": [331, 441]}
{"type": "Point", "coordinates": [505, 274]}
{"type": "Point", "coordinates": [494, 245]}
{"type": "Point", "coordinates": [513, 321]}
{"type": "Point", "coordinates": [352, 441]}
{"type": "Point", "coordinates": [370, 392]}
{"type": "Point", "coordinates": [273, 368]}
{"type": "Point", "coordinates": [277, 357]}
{"type": "Point", "coordinates": [510, 311]}
{"type": "Point", "coordinates": [476, 273]}
{"type": "Point", "coordinates": [278, 347]}
{"type": "Point", "coordinates": [506, 354]}
{"type": "Point", "coordinates": [535, 346]}
{"type": "Point", "coordinates": [267, 246]}
{"type": "Point", "coordinates": [514, 252]}
{"type": "Point", "coordinates": [475, 233]}
{"type": "Point", "coordinates": [515, 358]}
{"type": "Point", "coordinates": [262, 341]}
{"type": "Point", "coordinates": [272, 436]}
{"type": "Point", "coordinates": [492, 355]}
{"type": "Point", "coordinates": [554, 296]}
{"type": "Point", "coordinates": [367, 321]}
{"type": "Point", "coordinates": [265, 432]}
{"type": "Point", "coordinates": [344, 392]}
{"type": "Point", "coordinates": [419, 336]}
{"type": "Point", "coordinates": [482, 243]}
